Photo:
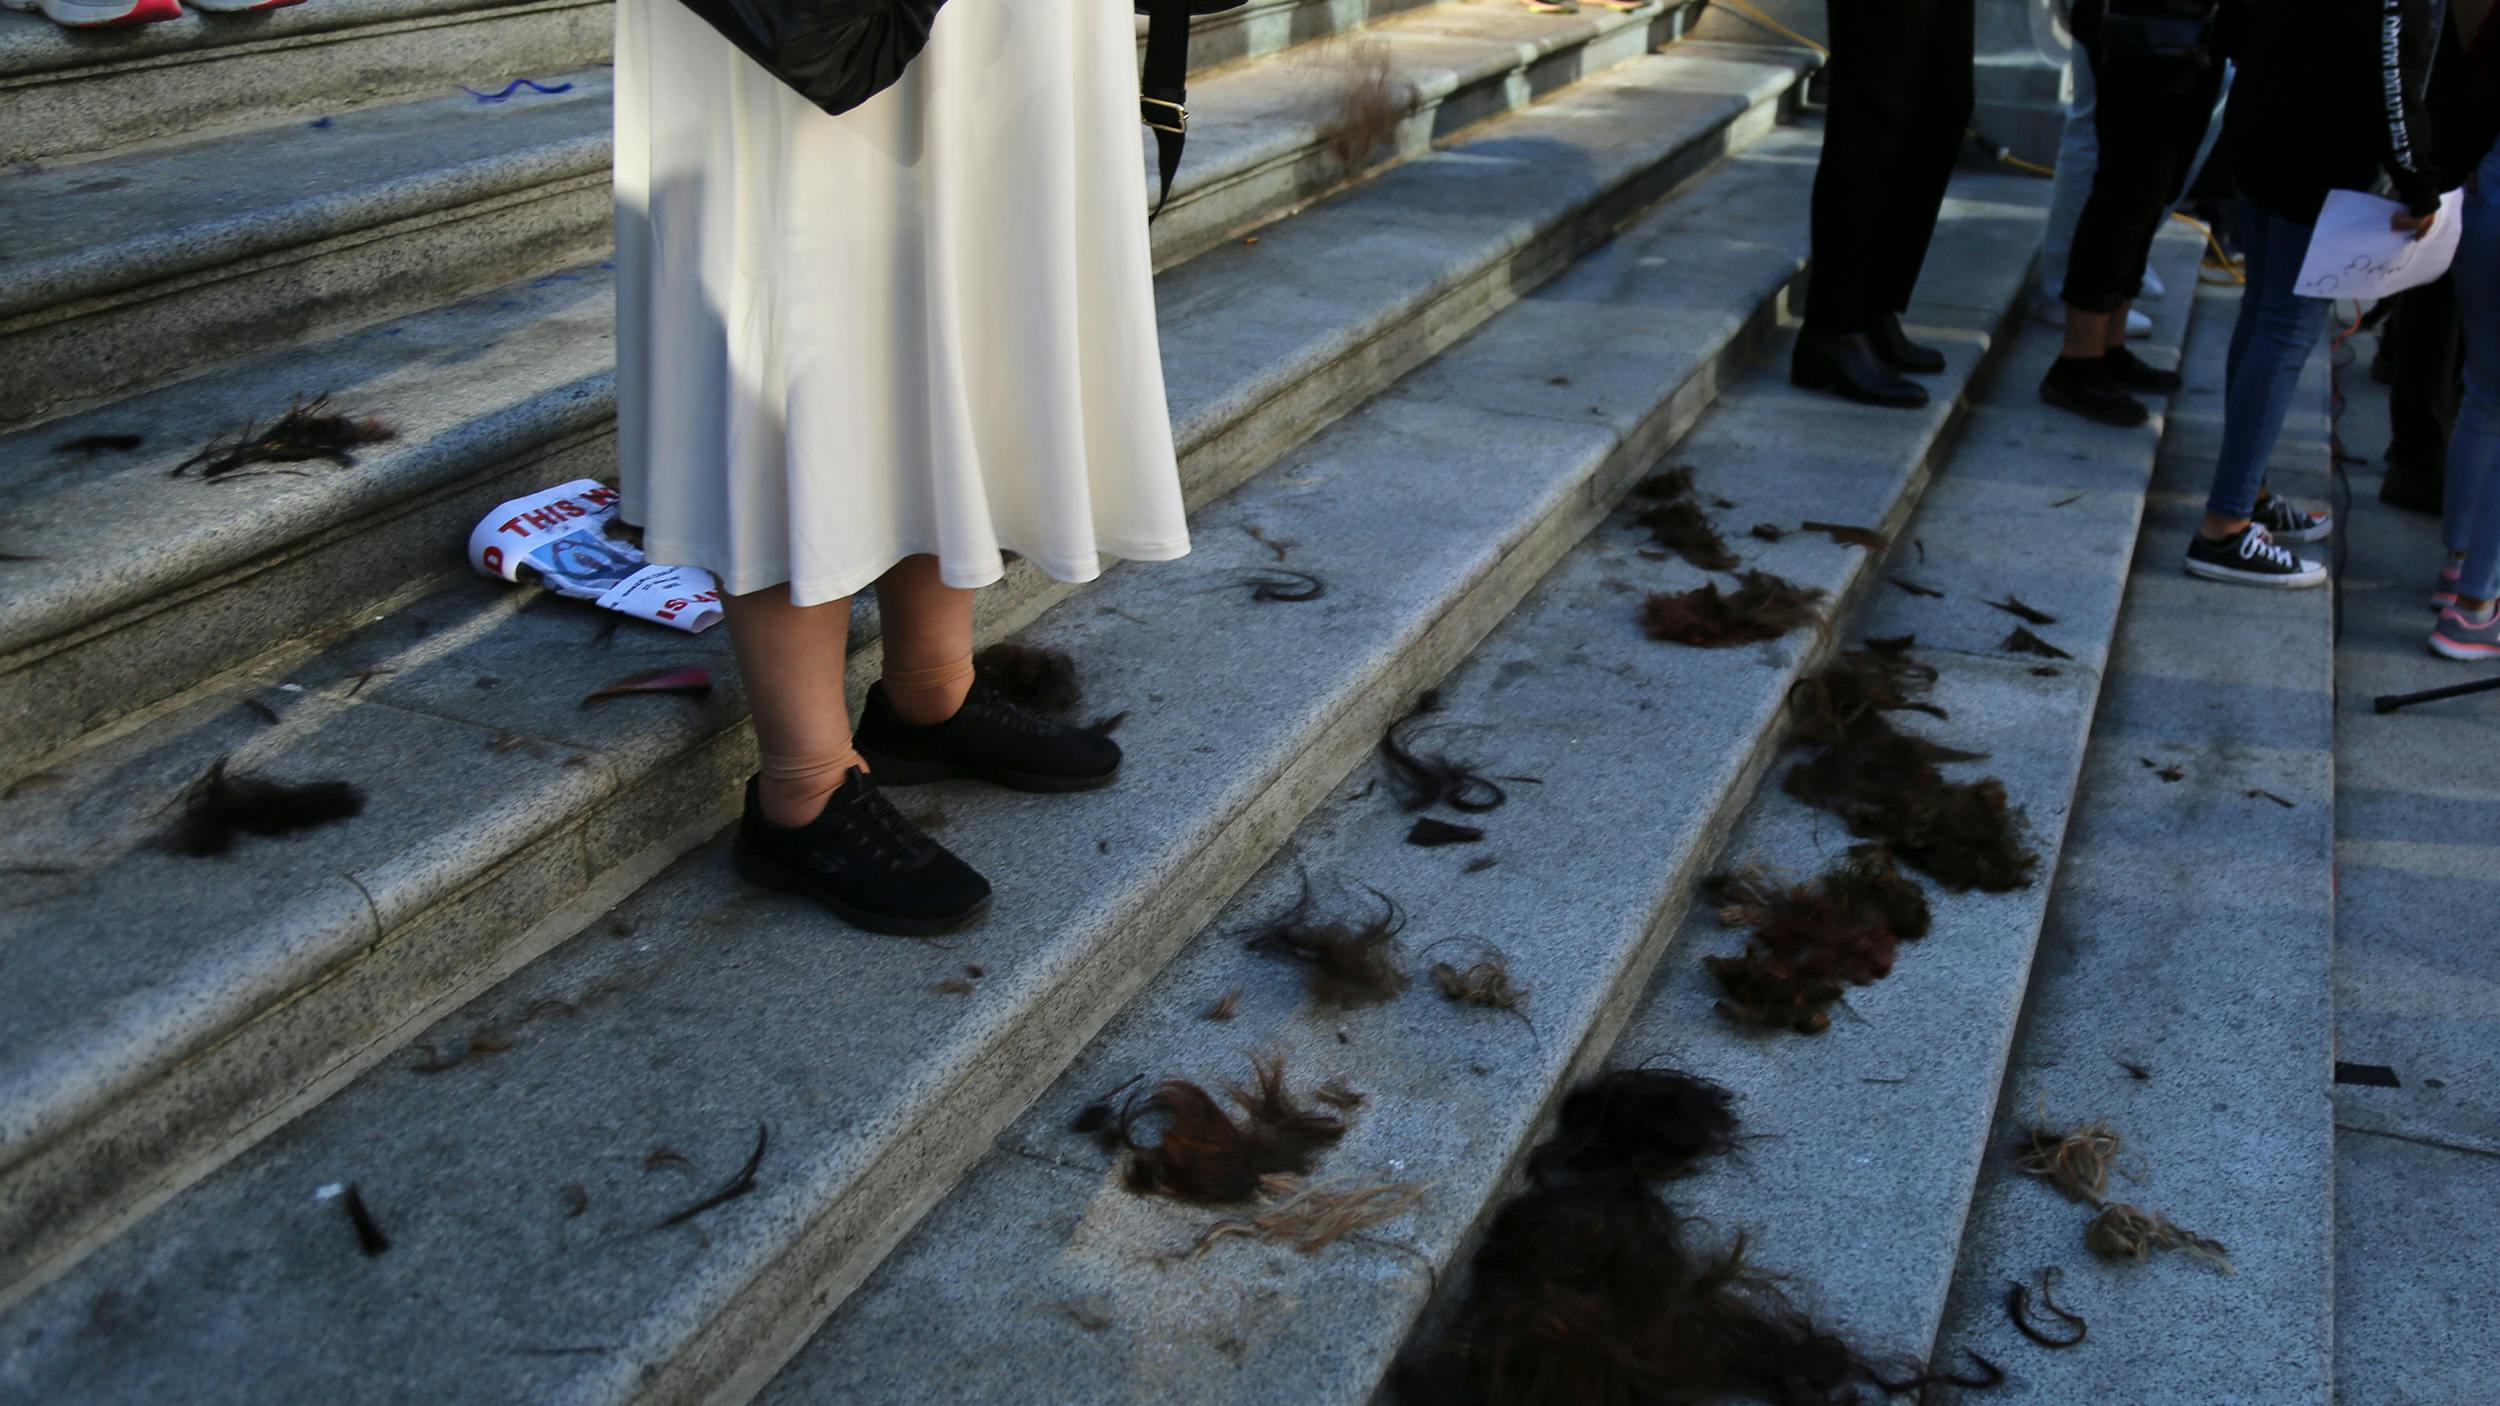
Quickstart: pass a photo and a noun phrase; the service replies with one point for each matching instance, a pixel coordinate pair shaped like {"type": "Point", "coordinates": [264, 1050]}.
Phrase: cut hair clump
{"type": "Point", "coordinates": [310, 431]}
{"type": "Point", "coordinates": [1762, 607]}
{"type": "Point", "coordinates": [1185, 1143]}
{"type": "Point", "coordinates": [1421, 780]}
{"type": "Point", "coordinates": [1588, 1287]}
{"type": "Point", "coordinates": [1678, 524]}
{"type": "Point", "coordinates": [222, 806]}
{"type": "Point", "coordinates": [1349, 964]}
{"type": "Point", "coordinates": [1886, 785]}
{"type": "Point", "coordinates": [1029, 676]}
{"type": "Point", "coordinates": [1809, 942]}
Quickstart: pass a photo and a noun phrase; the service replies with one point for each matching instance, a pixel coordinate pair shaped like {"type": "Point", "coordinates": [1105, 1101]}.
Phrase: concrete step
{"type": "Point", "coordinates": [145, 589]}
{"type": "Point", "coordinates": [697, 1009]}
{"type": "Point", "coordinates": [145, 266]}
{"type": "Point", "coordinates": [146, 1057]}
{"type": "Point", "coordinates": [2220, 992]}
{"type": "Point", "coordinates": [1872, 1135]}
{"type": "Point", "coordinates": [292, 231]}
{"type": "Point", "coordinates": [64, 93]}
{"type": "Point", "coordinates": [1640, 756]}
{"type": "Point", "coordinates": [72, 94]}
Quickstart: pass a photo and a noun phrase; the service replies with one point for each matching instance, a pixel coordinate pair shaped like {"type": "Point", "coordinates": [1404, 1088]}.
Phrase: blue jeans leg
{"type": "Point", "coordinates": [2473, 489]}
{"type": "Point", "coordinates": [2269, 344]}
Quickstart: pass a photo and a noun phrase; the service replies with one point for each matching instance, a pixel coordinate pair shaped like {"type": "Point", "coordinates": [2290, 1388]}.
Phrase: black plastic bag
{"type": "Point", "coordinates": [836, 54]}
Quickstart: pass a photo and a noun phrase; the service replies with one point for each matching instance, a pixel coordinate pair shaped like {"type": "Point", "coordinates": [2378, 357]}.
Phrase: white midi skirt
{"type": "Point", "coordinates": [925, 326]}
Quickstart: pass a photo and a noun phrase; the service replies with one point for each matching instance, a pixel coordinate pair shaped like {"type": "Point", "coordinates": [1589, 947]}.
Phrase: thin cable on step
{"type": "Point", "coordinates": [2217, 257]}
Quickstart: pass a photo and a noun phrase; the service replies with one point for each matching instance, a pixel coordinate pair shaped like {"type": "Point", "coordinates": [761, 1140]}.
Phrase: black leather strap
{"type": "Point", "coordinates": [1163, 89]}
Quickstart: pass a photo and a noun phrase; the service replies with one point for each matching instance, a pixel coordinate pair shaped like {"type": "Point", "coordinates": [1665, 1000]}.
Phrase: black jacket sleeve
{"type": "Point", "coordinates": [2402, 45]}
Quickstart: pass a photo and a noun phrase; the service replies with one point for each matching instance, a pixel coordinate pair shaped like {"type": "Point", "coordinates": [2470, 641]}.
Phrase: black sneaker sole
{"type": "Point", "coordinates": [1817, 378]}
{"type": "Point", "coordinates": [891, 770]}
{"type": "Point", "coordinates": [766, 872]}
{"type": "Point", "coordinates": [2103, 413]}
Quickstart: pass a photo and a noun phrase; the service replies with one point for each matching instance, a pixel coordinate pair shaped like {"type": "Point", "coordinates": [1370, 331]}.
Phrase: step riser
{"type": "Point", "coordinates": [188, 92]}
{"type": "Point", "coordinates": [100, 347]}
{"type": "Point", "coordinates": [354, 1014]}
{"type": "Point", "coordinates": [56, 691]}
{"type": "Point", "coordinates": [1270, 26]}
{"type": "Point", "coordinates": [1203, 218]}
{"type": "Point", "coordinates": [65, 689]}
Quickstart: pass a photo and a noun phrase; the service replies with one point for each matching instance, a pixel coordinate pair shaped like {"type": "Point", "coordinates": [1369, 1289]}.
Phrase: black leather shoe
{"type": "Point", "coordinates": [2136, 374]}
{"type": "Point", "coordinates": [988, 739]}
{"type": "Point", "coordinates": [2085, 387]}
{"type": "Point", "coordinates": [1846, 364]}
{"type": "Point", "coordinates": [1899, 352]}
{"type": "Point", "coordinates": [865, 861]}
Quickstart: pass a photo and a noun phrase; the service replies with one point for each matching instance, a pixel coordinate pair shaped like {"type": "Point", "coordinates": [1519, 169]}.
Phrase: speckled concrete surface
{"type": "Point", "coordinates": [2417, 971]}
{"type": "Point", "coordinates": [1640, 755]}
{"type": "Point", "coordinates": [2190, 937]}
{"type": "Point", "coordinates": [873, 1114]}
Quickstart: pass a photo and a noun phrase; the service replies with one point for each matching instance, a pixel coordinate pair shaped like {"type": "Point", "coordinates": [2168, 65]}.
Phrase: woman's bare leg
{"type": "Point", "coordinates": [791, 659]}
{"type": "Point", "coordinates": [928, 641]}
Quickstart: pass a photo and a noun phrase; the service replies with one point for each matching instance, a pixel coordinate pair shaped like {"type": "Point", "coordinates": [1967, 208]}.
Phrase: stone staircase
{"type": "Point", "coordinates": [523, 1008]}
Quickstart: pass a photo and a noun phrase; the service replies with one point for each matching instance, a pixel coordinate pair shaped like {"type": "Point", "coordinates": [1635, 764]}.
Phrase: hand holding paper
{"type": "Point", "coordinates": [2358, 251]}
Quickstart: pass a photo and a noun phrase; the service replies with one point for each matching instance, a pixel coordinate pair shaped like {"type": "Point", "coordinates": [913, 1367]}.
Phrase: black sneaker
{"type": "Point", "coordinates": [863, 860]}
{"type": "Point", "coordinates": [2084, 386]}
{"type": "Point", "coordinates": [988, 739]}
{"type": "Point", "coordinates": [2286, 523]}
{"type": "Point", "coordinates": [2251, 558]}
{"type": "Point", "coordinates": [2137, 374]}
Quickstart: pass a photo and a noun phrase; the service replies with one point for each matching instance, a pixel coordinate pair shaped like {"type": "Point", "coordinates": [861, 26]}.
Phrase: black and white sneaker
{"type": "Point", "coordinates": [864, 860]}
{"type": "Point", "coordinates": [2250, 557]}
{"type": "Point", "coordinates": [2285, 522]}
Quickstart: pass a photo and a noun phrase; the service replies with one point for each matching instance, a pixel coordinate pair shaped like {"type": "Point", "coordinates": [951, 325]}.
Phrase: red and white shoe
{"type": "Point", "coordinates": [239, 7]}
{"type": "Point", "coordinates": [100, 14]}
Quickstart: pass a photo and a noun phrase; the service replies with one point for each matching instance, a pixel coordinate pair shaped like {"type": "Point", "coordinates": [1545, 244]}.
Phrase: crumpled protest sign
{"type": "Point", "coordinates": [561, 533]}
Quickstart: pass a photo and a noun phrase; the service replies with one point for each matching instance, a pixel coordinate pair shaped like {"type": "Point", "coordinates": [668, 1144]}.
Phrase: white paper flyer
{"type": "Point", "coordinates": [2353, 254]}
{"type": "Point", "coordinates": [561, 534]}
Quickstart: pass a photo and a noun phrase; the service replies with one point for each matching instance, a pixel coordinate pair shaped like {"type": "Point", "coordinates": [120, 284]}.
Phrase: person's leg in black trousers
{"type": "Point", "coordinates": [2425, 351]}
{"type": "Point", "coordinates": [2155, 105]}
{"type": "Point", "coordinates": [1900, 92]}
{"type": "Point", "coordinates": [1939, 122]}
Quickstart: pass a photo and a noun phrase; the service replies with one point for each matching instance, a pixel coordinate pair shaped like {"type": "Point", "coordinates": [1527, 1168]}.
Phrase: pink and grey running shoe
{"type": "Point", "coordinates": [2457, 637]}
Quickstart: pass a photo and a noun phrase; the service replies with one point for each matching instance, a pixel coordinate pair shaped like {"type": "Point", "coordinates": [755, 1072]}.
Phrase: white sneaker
{"type": "Point", "coordinates": [2049, 312]}
{"type": "Point", "coordinates": [2151, 289]}
{"type": "Point", "coordinates": [100, 14]}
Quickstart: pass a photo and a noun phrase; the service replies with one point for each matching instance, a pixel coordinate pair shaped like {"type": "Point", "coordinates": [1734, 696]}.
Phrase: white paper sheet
{"type": "Point", "coordinates": [2353, 254]}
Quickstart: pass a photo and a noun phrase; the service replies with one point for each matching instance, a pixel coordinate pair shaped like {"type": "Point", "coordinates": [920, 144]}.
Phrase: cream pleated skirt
{"type": "Point", "coordinates": [925, 326]}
